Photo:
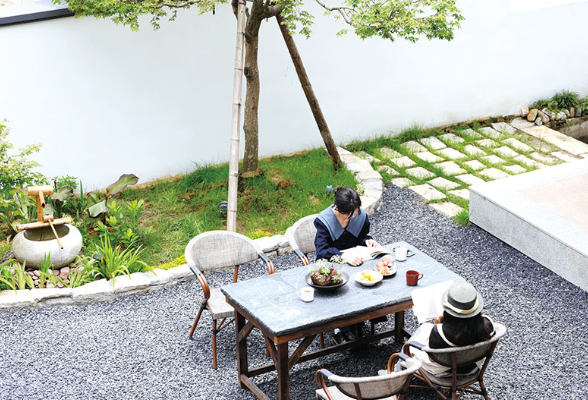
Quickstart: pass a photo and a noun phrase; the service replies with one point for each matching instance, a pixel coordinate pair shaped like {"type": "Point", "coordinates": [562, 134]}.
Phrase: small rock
{"type": "Point", "coordinates": [560, 115]}
{"type": "Point", "coordinates": [538, 121]}
{"type": "Point", "coordinates": [59, 285]}
{"type": "Point", "coordinates": [578, 112]}
{"type": "Point", "coordinates": [532, 115]}
{"type": "Point", "coordinates": [36, 273]}
{"type": "Point", "coordinates": [36, 282]}
{"type": "Point", "coordinates": [64, 275]}
{"type": "Point", "coordinates": [50, 285]}
{"type": "Point", "coordinates": [55, 272]}
{"type": "Point", "coordinates": [524, 111]}
{"type": "Point", "coordinates": [572, 112]}
{"type": "Point", "coordinates": [566, 112]}
{"type": "Point", "coordinates": [543, 116]}
{"type": "Point", "coordinates": [548, 113]}
{"type": "Point", "coordinates": [65, 270]}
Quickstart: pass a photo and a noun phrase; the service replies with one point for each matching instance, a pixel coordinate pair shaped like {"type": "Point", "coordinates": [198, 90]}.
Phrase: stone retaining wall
{"type": "Point", "coordinates": [145, 282]}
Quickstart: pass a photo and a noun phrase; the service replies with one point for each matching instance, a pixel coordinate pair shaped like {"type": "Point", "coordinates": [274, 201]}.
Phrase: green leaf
{"type": "Point", "coordinates": [120, 185]}
{"type": "Point", "coordinates": [62, 195]}
{"type": "Point", "coordinates": [97, 209]}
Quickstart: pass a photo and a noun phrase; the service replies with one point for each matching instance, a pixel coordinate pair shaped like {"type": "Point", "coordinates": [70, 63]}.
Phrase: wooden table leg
{"type": "Point", "coordinates": [242, 364]}
{"type": "Point", "coordinates": [283, 372]}
{"type": "Point", "coordinates": [399, 326]}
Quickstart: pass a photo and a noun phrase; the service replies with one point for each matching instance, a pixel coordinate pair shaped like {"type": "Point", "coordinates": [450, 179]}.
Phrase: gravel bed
{"type": "Point", "coordinates": [138, 346]}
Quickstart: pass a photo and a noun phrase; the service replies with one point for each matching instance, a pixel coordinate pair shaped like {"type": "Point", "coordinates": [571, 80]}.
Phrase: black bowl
{"type": "Point", "coordinates": [309, 282]}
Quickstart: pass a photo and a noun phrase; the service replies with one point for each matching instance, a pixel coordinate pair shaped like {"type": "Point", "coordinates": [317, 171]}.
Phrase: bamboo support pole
{"type": "Point", "coordinates": [34, 225]}
{"type": "Point", "coordinates": [236, 117]}
{"type": "Point", "coordinates": [55, 233]}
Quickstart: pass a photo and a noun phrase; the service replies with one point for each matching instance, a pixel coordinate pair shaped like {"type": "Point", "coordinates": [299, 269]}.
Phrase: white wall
{"type": "Point", "coordinates": [105, 101]}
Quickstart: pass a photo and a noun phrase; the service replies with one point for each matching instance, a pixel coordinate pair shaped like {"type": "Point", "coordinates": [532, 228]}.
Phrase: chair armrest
{"type": "Point", "coordinates": [270, 265]}
{"type": "Point", "coordinates": [394, 359]}
{"type": "Point", "coordinates": [321, 374]}
{"type": "Point", "coordinates": [195, 270]}
{"type": "Point", "coordinates": [302, 257]}
{"type": "Point", "coordinates": [408, 345]}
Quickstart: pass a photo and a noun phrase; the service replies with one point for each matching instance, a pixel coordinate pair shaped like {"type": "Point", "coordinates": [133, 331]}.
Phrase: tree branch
{"type": "Point", "coordinates": [340, 10]}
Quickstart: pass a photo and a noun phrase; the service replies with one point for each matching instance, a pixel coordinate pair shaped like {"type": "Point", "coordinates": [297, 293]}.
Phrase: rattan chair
{"type": "Point", "coordinates": [389, 386]}
{"type": "Point", "coordinates": [301, 237]}
{"type": "Point", "coordinates": [213, 251]}
{"type": "Point", "coordinates": [455, 357]}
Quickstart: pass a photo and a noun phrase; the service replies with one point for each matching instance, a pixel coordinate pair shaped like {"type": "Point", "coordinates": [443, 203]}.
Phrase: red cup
{"type": "Point", "coordinates": [413, 277]}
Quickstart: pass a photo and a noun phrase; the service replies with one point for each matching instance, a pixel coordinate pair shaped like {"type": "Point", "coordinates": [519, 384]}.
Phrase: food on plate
{"type": "Point", "coordinates": [326, 276]}
{"type": "Point", "coordinates": [368, 276]}
{"type": "Point", "coordinates": [383, 266]}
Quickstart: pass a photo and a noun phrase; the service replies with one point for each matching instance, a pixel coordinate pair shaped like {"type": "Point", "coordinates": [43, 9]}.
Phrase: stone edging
{"type": "Point", "coordinates": [146, 282]}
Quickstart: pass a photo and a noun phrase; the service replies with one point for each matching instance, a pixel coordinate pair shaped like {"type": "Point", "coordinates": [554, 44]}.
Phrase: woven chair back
{"type": "Point", "coordinates": [303, 233]}
{"type": "Point", "coordinates": [377, 387]}
{"type": "Point", "coordinates": [215, 250]}
{"type": "Point", "coordinates": [466, 355]}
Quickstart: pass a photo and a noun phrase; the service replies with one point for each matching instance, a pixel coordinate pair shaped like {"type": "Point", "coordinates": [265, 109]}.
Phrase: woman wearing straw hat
{"type": "Point", "coordinates": [461, 324]}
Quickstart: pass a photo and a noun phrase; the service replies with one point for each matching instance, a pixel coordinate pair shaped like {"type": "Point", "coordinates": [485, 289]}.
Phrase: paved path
{"type": "Point", "coordinates": [137, 346]}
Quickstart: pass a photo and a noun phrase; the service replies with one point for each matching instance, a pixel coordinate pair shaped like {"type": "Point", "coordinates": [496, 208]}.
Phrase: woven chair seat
{"type": "Point", "coordinates": [338, 395]}
{"type": "Point", "coordinates": [446, 380]}
{"type": "Point", "coordinates": [218, 306]}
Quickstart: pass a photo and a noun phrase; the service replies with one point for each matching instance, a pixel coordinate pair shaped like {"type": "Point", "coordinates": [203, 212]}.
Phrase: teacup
{"type": "Point", "coordinates": [413, 277]}
{"type": "Point", "coordinates": [400, 253]}
{"type": "Point", "coordinates": [306, 294]}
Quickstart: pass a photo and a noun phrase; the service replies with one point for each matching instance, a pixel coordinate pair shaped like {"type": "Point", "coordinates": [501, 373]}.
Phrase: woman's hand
{"type": "Point", "coordinates": [438, 319]}
{"type": "Point", "coordinates": [371, 243]}
{"type": "Point", "coordinates": [353, 261]}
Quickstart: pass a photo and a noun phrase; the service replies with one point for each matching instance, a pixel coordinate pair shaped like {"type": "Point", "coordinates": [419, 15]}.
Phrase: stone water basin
{"type": "Point", "coordinates": [31, 245]}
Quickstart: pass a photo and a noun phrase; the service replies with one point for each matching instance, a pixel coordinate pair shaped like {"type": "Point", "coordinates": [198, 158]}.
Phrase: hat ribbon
{"type": "Point", "coordinates": [457, 310]}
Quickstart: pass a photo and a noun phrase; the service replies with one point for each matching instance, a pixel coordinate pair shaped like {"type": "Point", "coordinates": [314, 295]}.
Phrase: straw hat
{"type": "Point", "coordinates": [462, 300]}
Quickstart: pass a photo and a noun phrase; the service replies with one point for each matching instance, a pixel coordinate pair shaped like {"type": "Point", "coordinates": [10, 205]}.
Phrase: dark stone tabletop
{"type": "Point", "coordinates": [274, 302]}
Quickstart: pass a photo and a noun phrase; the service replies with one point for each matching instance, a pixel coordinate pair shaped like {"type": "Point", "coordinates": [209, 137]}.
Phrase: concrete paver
{"type": "Point", "coordinates": [487, 143]}
{"type": "Point", "coordinates": [492, 159]}
{"type": "Point", "coordinates": [451, 154]}
{"type": "Point", "coordinates": [545, 159]}
{"type": "Point", "coordinates": [402, 182]}
{"type": "Point", "coordinates": [490, 132]}
{"type": "Point", "coordinates": [506, 151]}
{"type": "Point", "coordinates": [420, 173]}
{"type": "Point", "coordinates": [414, 146]}
{"type": "Point", "coordinates": [451, 138]}
{"type": "Point", "coordinates": [433, 143]}
{"type": "Point", "coordinates": [474, 151]}
{"type": "Point", "coordinates": [427, 192]}
{"type": "Point", "coordinates": [388, 170]}
{"type": "Point", "coordinates": [463, 193]}
{"type": "Point", "coordinates": [517, 144]}
{"type": "Point", "coordinates": [387, 152]}
{"type": "Point", "coordinates": [515, 169]}
{"type": "Point", "coordinates": [558, 139]}
{"type": "Point", "coordinates": [475, 165]}
{"type": "Point", "coordinates": [527, 161]}
{"type": "Point", "coordinates": [428, 157]}
{"type": "Point", "coordinates": [443, 183]}
{"type": "Point", "coordinates": [472, 134]}
{"type": "Point", "coordinates": [403, 162]}
{"type": "Point", "coordinates": [447, 209]}
{"type": "Point", "coordinates": [450, 168]}
{"type": "Point", "coordinates": [470, 179]}
{"type": "Point", "coordinates": [504, 127]}
{"type": "Point", "coordinates": [562, 155]}
{"type": "Point", "coordinates": [493, 173]}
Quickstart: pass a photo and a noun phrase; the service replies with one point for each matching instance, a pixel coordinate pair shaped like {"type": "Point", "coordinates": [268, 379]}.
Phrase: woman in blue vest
{"type": "Point", "coordinates": [342, 226]}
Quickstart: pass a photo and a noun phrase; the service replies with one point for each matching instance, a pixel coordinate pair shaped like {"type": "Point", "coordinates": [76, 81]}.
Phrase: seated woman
{"type": "Point", "coordinates": [461, 324]}
{"type": "Point", "coordinates": [342, 226]}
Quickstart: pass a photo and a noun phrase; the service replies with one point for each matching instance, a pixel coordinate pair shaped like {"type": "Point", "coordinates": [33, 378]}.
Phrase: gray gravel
{"type": "Point", "coordinates": [137, 346]}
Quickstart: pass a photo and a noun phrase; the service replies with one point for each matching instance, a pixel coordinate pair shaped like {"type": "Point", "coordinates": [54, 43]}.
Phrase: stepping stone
{"type": "Point", "coordinates": [402, 182]}
{"type": "Point", "coordinates": [494, 173]}
{"type": "Point", "coordinates": [428, 157]}
{"type": "Point", "coordinates": [403, 162]}
{"type": "Point", "coordinates": [427, 192]}
{"type": "Point", "coordinates": [447, 209]}
{"type": "Point", "coordinates": [492, 159]}
{"type": "Point", "coordinates": [450, 168]}
{"type": "Point", "coordinates": [433, 143]}
{"type": "Point", "coordinates": [474, 151]}
{"type": "Point", "coordinates": [420, 173]}
{"type": "Point", "coordinates": [463, 193]}
{"type": "Point", "coordinates": [367, 156]}
{"type": "Point", "coordinates": [514, 169]}
{"type": "Point", "coordinates": [443, 183]}
{"type": "Point", "coordinates": [487, 143]}
{"type": "Point", "coordinates": [388, 170]}
{"type": "Point", "coordinates": [471, 133]}
{"type": "Point", "coordinates": [451, 154]}
{"type": "Point", "coordinates": [527, 161]}
{"type": "Point", "coordinates": [504, 127]}
{"type": "Point", "coordinates": [520, 123]}
{"type": "Point", "coordinates": [545, 159]}
{"type": "Point", "coordinates": [364, 176]}
{"type": "Point", "coordinates": [470, 179]}
{"type": "Point", "coordinates": [451, 138]}
{"type": "Point", "coordinates": [388, 153]}
{"type": "Point", "coordinates": [491, 133]}
{"type": "Point", "coordinates": [359, 165]}
{"type": "Point", "coordinates": [506, 151]}
{"type": "Point", "coordinates": [475, 165]}
{"type": "Point", "coordinates": [512, 142]}
{"type": "Point", "coordinates": [414, 146]}
{"type": "Point", "coordinates": [563, 156]}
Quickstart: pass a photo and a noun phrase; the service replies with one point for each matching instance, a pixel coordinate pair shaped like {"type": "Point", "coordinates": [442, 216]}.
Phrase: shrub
{"type": "Point", "coordinates": [114, 261]}
{"type": "Point", "coordinates": [565, 99]}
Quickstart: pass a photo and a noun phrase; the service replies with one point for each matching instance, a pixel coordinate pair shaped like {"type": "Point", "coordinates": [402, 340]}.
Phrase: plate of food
{"type": "Point", "coordinates": [327, 277]}
{"type": "Point", "coordinates": [368, 278]}
{"type": "Point", "coordinates": [387, 267]}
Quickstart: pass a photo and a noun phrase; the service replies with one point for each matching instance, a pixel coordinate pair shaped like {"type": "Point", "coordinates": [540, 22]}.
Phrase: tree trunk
{"type": "Point", "coordinates": [310, 96]}
{"type": "Point", "coordinates": [250, 121]}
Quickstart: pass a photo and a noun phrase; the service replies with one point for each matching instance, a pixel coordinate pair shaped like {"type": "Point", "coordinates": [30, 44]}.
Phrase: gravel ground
{"type": "Point", "coordinates": [138, 346]}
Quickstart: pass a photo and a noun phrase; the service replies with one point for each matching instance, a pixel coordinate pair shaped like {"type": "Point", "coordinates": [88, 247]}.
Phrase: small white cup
{"type": "Point", "coordinates": [306, 294]}
{"type": "Point", "coordinates": [400, 253]}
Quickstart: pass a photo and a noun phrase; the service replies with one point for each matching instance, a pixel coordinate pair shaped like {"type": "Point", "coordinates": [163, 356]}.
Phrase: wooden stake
{"type": "Point", "coordinates": [55, 233]}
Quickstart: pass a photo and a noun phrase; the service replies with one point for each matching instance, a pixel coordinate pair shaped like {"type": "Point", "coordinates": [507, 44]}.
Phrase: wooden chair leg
{"type": "Point", "coordinates": [196, 320]}
{"type": "Point", "coordinates": [214, 332]}
{"type": "Point", "coordinates": [322, 340]}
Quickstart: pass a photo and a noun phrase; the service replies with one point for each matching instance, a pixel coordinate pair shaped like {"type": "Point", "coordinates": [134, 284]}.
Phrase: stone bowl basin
{"type": "Point", "coordinates": [31, 245]}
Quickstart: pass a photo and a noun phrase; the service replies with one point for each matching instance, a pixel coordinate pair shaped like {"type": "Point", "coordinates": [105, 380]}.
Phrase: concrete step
{"type": "Point", "coordinates": [543, 214]}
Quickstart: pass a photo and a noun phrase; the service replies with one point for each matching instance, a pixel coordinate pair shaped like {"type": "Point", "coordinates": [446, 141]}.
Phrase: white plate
{"type": "Point", "coordinates": [378, 275]}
